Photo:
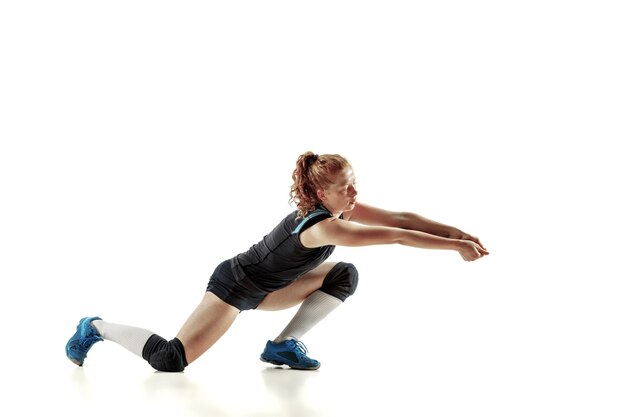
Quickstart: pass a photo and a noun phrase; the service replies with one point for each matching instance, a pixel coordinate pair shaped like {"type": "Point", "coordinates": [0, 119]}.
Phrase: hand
{"type": "Point", "coordinates": [471, 250]}
{"type": "Point", "coordinates": [458, 234]}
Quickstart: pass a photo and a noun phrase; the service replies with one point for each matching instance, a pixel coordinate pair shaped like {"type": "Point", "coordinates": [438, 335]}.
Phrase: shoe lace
{"type": "Point", "coordinates": [86, 343]}
{"type": "Point", "coordinates": [300, 347]}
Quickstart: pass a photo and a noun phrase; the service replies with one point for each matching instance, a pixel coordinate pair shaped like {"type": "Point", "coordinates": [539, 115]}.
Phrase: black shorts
{"type": "Point", "coordinates": [238, 292]}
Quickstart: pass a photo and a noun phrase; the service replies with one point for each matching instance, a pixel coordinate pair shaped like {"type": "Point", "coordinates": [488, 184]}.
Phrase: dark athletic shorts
{"type": "Point", "coordinates": [240, 293]}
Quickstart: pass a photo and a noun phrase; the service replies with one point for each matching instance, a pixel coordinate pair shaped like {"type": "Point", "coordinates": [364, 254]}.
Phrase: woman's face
{"type": "Point", "coordinates": [341, 194]}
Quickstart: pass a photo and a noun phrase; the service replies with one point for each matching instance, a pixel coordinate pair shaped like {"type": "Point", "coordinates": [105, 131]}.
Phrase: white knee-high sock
{"type": "Point", "coordinates": [314, 308]}
{"type": "Point", "coordinates": [132, 338]}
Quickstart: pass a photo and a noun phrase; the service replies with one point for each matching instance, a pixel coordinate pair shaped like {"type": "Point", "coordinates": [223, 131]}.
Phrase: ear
{"type": "Point", "coordinates": [320, 194]}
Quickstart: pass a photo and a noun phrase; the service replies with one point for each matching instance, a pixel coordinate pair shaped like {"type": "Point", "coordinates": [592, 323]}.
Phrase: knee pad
{"type": "Point", "coordinates": [163, 355]}
{"type": "Point", "coordinates": [341, 281]}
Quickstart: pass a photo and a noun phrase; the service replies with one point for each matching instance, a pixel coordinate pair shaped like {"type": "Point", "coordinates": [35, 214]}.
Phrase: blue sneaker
{"type": "Point", "coordinates": [291, 352]}
{"type": "Point", "coordinates": [86, 335]}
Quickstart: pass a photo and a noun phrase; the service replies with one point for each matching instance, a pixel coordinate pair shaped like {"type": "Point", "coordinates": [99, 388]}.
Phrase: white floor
{"type": "Point", "coordinates": [426, 386]}
{"type": "Point", "coordinates": [508, 363]}
{"type": "Point", "coordinates": [445, 338]}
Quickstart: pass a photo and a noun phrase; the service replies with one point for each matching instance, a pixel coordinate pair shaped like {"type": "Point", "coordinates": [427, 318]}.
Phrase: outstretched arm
{"type": "Point", "coordinates": [344, 233]}
{"type": "Point", "coordinates": [374, 216]}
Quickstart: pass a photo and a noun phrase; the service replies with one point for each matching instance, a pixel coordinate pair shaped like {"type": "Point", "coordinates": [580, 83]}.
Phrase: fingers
{"type": "Point", "coordinates": [475, 253]}
{"type": "Point", "coordinates": [477, 240]}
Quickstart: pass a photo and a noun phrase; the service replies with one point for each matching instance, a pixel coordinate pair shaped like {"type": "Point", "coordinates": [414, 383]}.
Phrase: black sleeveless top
{"type": "Point", "coordinates": [279, 258]}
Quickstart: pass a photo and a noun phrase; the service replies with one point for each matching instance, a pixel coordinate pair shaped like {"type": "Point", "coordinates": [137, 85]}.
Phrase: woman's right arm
{"type": "Point", "coordinates": [344, 233]}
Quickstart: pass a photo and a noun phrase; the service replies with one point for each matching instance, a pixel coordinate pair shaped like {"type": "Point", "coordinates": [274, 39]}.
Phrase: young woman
{"type": "Point", "coordinates": [284, 269]}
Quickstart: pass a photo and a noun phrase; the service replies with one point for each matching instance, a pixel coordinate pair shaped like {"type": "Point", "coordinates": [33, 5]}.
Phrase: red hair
{"type": "Point", "coordinates": [313, 172]}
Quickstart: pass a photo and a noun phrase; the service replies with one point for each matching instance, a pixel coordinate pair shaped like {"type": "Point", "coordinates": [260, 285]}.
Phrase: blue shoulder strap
{"type": "Point", "coordinates": [315, 213]}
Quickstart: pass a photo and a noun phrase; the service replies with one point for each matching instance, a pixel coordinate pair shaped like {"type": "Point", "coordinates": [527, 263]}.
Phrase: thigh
{"type": "Point", "coordinates": [208, 322]}
{"type": "Point", "coordinates": [297, 291]}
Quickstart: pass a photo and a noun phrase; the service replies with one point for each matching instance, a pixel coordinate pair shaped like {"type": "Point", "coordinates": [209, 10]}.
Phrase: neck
{"type": "Point", "coordinates": [335, 213]}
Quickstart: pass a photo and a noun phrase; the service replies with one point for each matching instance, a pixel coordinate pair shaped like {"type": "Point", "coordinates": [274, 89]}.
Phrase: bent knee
{"type": "Point", "coordinates": [163, 355]}
{"type": "Point", "coordinates": [341, 281]}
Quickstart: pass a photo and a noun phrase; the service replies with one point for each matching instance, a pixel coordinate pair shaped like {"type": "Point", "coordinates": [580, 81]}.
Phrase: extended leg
{"type": "Point", "coordinates": [208, 322]}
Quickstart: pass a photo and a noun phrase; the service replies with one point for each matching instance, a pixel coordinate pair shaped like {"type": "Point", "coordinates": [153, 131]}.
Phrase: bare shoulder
{"type": "Point", "coordinates": [315, 236]}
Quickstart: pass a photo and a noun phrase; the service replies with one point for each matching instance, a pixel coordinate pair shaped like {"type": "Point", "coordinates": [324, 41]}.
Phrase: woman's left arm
{"type": "Point", "coordinates": [374, 216]}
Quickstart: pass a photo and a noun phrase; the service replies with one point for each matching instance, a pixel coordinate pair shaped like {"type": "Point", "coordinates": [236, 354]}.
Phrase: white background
{"type": "Point", "coordinates": [144, 142]}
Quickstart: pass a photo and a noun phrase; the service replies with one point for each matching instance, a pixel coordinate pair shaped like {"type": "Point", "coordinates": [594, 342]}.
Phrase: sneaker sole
{"type": "Point", "coordinates": [75, 361]}
{"type": "Point", "coordinates": [273, 362]}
